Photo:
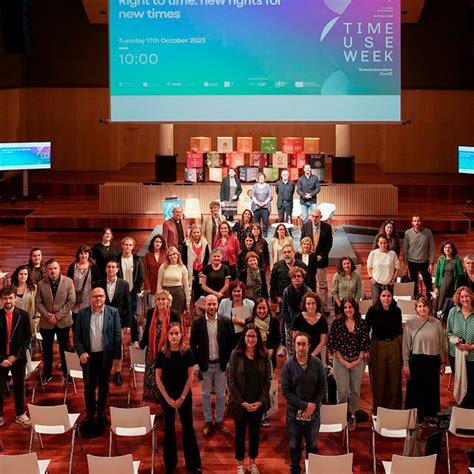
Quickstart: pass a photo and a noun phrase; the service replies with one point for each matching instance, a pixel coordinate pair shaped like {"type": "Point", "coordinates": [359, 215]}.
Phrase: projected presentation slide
{"type": "Point", "coordinates": [25, 156]}
{"type": "Point", "coordinates": [254, 60]}
{"type": "Point", "coordinates": [466, 159]}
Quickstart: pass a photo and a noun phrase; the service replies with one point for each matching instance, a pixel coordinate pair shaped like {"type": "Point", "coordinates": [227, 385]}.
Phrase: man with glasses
{"type": "Point", "coordinates": [98, 341]}
{"type": "Point", "coordinates": [290, 306]}
{"type": "Point", "coordinates": [321, 235]}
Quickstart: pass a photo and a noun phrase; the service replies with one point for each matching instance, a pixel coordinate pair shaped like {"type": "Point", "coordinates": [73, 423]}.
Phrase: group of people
{"type": "Point", "coordinates": [218, 272]}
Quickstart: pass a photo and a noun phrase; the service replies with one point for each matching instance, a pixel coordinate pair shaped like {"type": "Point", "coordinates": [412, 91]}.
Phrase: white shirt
{"type": "Point", "coordinates": [127, 268]}
{"type": "Point", "coordinates": [111, 288]}
{"type": "Point", "coordinates": [97, 330]}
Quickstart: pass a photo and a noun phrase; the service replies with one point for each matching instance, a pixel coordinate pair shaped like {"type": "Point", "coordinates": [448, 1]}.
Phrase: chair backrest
{"type": "Point", "coordinates": [19, 464]}
{"type": "Point", "coordinates": [297, 212]}
{"type": "Point", "coordinates": [395, 419]}
{"type": "Point", "coordinates": [420, 465]}
{"type": "Point", "coordinates": [318, 464]}
{"type": "Point", "coordinates": [116, 464]}
{"type": "Point", "coordinates": [461, 418]}
{"type": "Point", "coordinates": [327, 210]}
{"type": "Point", "coordinates": [407, 307]}
{"type": "Point", "coordinates": [29, 366]}
{"type": "Point", "coordinates": [404, 289]}
{"type": "Point", "coordinates": [130, 418]}
{"type": "Point", "coordinates": [72, 361]}
{"type": "Point", "coordinates": [137, 356]}
{"type": "Point", "coordinates": [55, 415]}
{"type": "Point", "coordinates": [334, 414]}
{"type": "Point", "coordinates": [364, 306]}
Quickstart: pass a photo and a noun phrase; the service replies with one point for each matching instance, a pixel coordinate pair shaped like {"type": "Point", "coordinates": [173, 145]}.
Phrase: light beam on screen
{"type": "Point", "coordinates": [254, 60]}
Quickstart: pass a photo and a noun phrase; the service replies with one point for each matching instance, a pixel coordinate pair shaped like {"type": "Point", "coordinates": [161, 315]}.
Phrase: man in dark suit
{"type": "Point", "coordinates": [15, 338]}
{"type": "Point", "coordinates": [98, 341]}
{"type": "Point", "coordinates": [321, 235]}
{"type": "Point", "coordinates": [55, 299]}
{"type": "Point", "coordinates": [117, 295]}
{"type": "Point", "coordinates": [211, 343]}
{"type": "Point", "coordinates": [285, 190]}
{"type": "Point", "coordinates": [132, 271]}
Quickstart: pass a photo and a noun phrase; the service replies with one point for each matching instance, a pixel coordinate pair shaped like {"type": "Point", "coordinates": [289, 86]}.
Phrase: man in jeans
{"type": "Point", "coordinates": [419, 253]}
{"type": "Point", "coordinates": [307, 188]}
{"type": "Point", "coordinates": [211, 343]}
{"type": "Point", "coordinates": [304, 385]}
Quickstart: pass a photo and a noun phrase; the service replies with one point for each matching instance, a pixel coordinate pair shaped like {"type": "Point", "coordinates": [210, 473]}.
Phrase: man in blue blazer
{"type": "Point", "coordinates": [98, 341]}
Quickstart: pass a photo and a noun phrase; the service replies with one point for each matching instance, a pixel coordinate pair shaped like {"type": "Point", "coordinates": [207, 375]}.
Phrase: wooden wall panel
{"type": "Point", "coordinates": [439, 121]}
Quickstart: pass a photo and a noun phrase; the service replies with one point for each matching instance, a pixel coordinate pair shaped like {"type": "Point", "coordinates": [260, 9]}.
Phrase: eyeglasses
{"type": "Point", "coordinates": [297, 276]}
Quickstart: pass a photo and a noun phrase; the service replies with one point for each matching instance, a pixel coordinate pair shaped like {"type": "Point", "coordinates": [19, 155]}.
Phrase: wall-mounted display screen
{"type": "Point", "coordinates": [25, 156]}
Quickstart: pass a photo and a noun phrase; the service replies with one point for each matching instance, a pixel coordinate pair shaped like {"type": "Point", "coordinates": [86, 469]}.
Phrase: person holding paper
{"type": "Point", "coordinates": [237, 308]}
{"type": "Point", "coordinates": [249, 379]}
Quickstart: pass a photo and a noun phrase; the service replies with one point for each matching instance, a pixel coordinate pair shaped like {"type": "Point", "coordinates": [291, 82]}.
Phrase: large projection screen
{"type": "Point", "coordinates": [254, 60]}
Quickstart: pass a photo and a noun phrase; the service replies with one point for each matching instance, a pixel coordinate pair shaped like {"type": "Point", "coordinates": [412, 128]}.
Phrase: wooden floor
{"type": "Point", "coordinates": [216, 452]}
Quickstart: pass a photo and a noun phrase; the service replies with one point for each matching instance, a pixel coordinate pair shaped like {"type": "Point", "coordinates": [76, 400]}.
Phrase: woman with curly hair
{"type": "Point", "coordinates": [346, 283]}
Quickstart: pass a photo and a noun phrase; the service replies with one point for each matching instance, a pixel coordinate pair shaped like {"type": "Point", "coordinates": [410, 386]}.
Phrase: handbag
{"type": "Point", "coordinates": [414, 445]}
{"type": "Point", "coordinates": [80, 293]}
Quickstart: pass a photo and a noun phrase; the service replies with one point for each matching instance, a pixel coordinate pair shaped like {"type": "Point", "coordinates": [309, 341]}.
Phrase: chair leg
{"type": "Point", "coordinates": [34, 388]}
{"type": "Point", "coordinates": [134, 379]}
{"type": "Point", "coordinates": [110, 444]}
{"type": "Point", "coordinates": [31, 439]}
{"type": "Point", "coordinates": [129, 388]}
{"type": "Point", "coordinates": [374, 459]}
{"type": "Point", "coordinates": [447, 452]}
{"type": "Point", "coordinates": [153, 450]}
{"type": "Point", "coordinates": [65, 392]}
{"type": "Point", "coordinates": [80, 437]}
{"type": "Point", "coordinates": [41, 441]}
{"type": "Point", "coordinates": [74, 386]}
{"type": "Point", "coordinates": [73, 437]}
{"type": "Point", "coordinates": [347, 439]}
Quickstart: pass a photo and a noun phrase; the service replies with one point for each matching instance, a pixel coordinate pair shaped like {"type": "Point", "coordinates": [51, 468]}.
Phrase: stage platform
{"type": "Point", "coordinates": [71, 200]}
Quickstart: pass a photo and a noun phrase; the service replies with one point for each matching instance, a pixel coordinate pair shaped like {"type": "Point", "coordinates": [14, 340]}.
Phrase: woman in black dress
{"type": "Point", "coordinates": [174, 377]}
{"type": "Point", "coordinates": [153, 339]}
{"type": "Point", "coordinates": [249, 378]}
{"type": "Point", "coordinates": [104, 251]}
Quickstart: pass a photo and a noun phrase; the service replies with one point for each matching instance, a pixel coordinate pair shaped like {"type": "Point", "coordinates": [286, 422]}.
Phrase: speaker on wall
{"type": "Point", "coordinates": [14, 22]}
{"type": "Point", "coordinates": [343, 169]}
{"type": "Point", "coordinates": [165, 168]}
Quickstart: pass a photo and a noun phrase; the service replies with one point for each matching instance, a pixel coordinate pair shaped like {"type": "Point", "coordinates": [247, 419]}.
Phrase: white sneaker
{"type": "Point", "coordinates": [253, 469]}
{"type": "Point", "coordinates": [1, 421]}
{"type": "Point", "coordinates": [23, 420]}
{"type": "Point", "coordinates": [240, 469]}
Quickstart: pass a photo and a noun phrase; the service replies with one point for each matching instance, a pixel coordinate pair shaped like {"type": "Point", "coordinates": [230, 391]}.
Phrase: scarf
{"type": "Point", "coordinates": [197, 262]}
{"type": "Point", "coordinates": [152, 350]}
{"type": "Point", "coordinates": [263, 325]}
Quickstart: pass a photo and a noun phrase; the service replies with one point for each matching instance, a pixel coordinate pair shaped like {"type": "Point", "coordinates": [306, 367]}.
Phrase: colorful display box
{"type": "Point", "coordinates": [311, 145]}
{"type": "Point", "coordinates": [318, 164]}
{"type": "Point", "coordinates": [268, 144]}
{"type": "Point", "coordinates": [291, 144]}
{"type": "Point", "coordinates": [294, 173]}
{"type": "Point", "coordinates": [194, 175]}
{"type": "Point", "coordinates": [258, 159]}
{"type": "Point", "coordinates": [194, 160]}
{"type": "Point", "coordinates": [280, 160]}
{"type": "Point", "coordinates": [271, 174]}
{"type": "Point", "coordinates": [244, 144]}
{"type": "Point", "coordinates": [248, 174]}
{"type": "Point", "coordinates": [215, 159]}
{"type": "Point", "coordinates": [298, 160]}
{"type": "Point", "coordinates": [234, 159]}
{"type": "Point", "coordinates": [200, 144]}
{"type": "Point", "coordinates": [225, 144]}
{"type": "Point", "coordinates": [216, 174]}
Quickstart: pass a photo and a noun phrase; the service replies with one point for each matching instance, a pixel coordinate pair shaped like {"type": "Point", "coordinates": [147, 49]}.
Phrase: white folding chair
{"type": "Point", "coordinates": [32, 367]}
{"type": "Point", "coordinates": [391, 424]}
{"type": "Point", "coordinates": [334, 420]}
{"type": "Point", "coordinates": [137, 364]}
{"type": "Point", "coordinates": [74, 370]}
{"type": "Point", "coordinates": [317, 464]}
{"type": "Point", "coordinates": [408, 464]}
{"type": "Point", "coordinates": [408, 310]}
{"type": "Point", "coordinates": [364, 306]}
{"type": "Point", "coordinates": [461, 418]}
{"type": "Point", "coordinates": [23, 464]}
{"type": "Point", "coordinates": [327, 210]}
{"type": "Point", "coordinates": [132, 422]}
{"type": "Point", "coordinates": [404, 289]}
{"type": "Point", "coordinates": [53, 420]}
{"type": "Point", "coordinates": [117, 465]}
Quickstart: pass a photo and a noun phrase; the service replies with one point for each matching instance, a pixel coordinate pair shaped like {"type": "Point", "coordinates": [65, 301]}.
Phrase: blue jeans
{"type": "Point", "coordinates": [213, 374]}
{"type": "Point", "coordinates": [297, 430]}
{"type": "Point", "coordinates": [306, 209]}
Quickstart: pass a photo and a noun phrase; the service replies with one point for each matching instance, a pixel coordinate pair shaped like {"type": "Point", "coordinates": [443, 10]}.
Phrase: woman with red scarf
{"type": "Point", "coordinates": [154, 337]}
{"type": "Point", "coordinates": [195, 257]}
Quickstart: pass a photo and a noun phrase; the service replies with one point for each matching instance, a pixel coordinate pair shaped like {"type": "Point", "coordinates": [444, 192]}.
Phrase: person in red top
{"type": "Point", "coordinates": [228, 244]}
{"type": "Point", "coordinates": [15, 338]}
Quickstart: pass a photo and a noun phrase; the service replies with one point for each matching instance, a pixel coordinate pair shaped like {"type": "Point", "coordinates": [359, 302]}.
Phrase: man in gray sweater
{"type": "Point", "coordinates": [304, 385]}
{"type": "Point", "coordinates": [419, 254]}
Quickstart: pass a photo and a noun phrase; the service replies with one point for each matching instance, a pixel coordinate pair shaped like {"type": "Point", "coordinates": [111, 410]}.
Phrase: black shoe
{"type": "Point", "coordinates": [46, 379]}
{"type": "Point", "coordinates": [88, 429]}
{"type": "Point", "coordinates": [118, 379]}
{"type": "Point", "coordinates": [102, 421]}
